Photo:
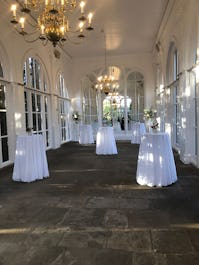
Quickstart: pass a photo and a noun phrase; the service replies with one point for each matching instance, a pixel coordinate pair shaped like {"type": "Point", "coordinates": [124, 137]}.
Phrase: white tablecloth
{"type": "Point", "coordinates": [105, 141]}
{"type": "Point", "coordinates": [156, 166]}
{"type": "Point", "coordinates": [117, 127]}
{"type": "Point", "coordinates": [86, 134]}
{"type": "Point", "coordinates": [138, 129]}
{"type": "Point", "coordinates": [75, 132]}
{"type": "Point", "coordinates": [30, 159]}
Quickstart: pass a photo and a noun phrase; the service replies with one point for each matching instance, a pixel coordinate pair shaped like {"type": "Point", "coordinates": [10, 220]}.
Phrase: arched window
{"type": "Point", "coordinates": [108, 111]}
{"type": "Point", "coordinates": [192, 94]}
{"type": "Point", "coordinates": [36, 98]}
{"type": "Point", "coordinates": [64, 109]}
{"type": "Point", "coordinates": [4, 152]}
{"type": "Point", "coordinates": [89, 100]}
{"type": "Point", "coordinates": [135, 96]}
{"type": "Point", "coordinates": [173, 83]}
{"type": "Point", "coordinates": [124, 108]}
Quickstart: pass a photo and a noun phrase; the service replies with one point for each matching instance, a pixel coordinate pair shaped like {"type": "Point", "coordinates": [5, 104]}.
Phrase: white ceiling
{"type": "Point", "coordinates": [130, 26]}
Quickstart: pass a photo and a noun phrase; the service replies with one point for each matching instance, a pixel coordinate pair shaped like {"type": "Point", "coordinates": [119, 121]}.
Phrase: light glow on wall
{"type": "Point", "coordinates": [168, 128]}
{"type": "Point", "coordinates": [187, 91]}
{"type": "Point", "coordinates": [18, 122]}
{"type": "Point", "coordinates": [196, 70]}
{"type": "Point", "coordinates": [168, 91]}
{"type": "Point", "coordinates": [161, 88]}
{"type": "Point", "coordinates": [183, 123]}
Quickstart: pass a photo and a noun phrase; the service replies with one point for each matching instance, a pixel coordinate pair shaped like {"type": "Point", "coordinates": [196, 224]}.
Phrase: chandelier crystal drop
{"type": "Point", "coordinates": [51, 20]}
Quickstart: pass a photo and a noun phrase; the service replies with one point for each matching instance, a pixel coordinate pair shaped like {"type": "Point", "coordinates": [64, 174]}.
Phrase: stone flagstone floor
{"type": "Point", "coordinates": [91, 211]}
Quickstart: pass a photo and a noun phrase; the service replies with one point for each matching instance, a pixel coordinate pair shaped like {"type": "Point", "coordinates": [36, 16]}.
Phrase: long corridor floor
{"type": "Point", "coordinates": [91, 211]}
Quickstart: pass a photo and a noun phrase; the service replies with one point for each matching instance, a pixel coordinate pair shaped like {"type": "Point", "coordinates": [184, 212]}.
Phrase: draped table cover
{"type": "Point", "coordinates": [156, 165]}
{"type": "Point", "coordinates": [117, 127]}
{"type": "Point", "coordinates": [138, 129]}
{"type": "Point", "coordinates": [86, 134]}
{"type": "Point", "coordinates": [30, 159]}
{"type": "Point", "coordinates": [105, 141]}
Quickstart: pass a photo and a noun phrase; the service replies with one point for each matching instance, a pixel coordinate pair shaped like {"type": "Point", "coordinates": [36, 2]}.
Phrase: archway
{"type": "Point", "coordinates": [108, 109]}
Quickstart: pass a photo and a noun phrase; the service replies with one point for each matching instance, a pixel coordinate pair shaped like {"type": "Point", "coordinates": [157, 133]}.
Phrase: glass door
{"type": "Point", "coordinates": [4, 154]}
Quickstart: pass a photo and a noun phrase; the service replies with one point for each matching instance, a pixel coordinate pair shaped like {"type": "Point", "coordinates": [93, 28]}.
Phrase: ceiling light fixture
{"type": "Point", "coordinates": [107, 81]}
{"type": "Point", "coordinates": [51, 20]}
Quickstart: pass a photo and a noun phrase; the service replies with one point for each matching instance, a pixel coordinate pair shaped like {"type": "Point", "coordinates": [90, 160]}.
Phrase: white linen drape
{"type": "Point", "coordinates": [30, 159]}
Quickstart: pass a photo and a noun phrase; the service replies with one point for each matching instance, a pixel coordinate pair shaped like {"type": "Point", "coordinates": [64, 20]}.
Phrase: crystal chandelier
{"type": "Point", "coordinates": [51, 20]}
{"type": "Point", "coordinates": [104, 83]}
{"type": "Point", "coordinates": [107, 81]}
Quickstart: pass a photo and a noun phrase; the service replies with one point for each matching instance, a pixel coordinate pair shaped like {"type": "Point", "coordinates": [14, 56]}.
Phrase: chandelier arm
{"type": "Point", "coordinates": [73, 31]}
{"type": "Point", "coordinates": [73, 42]}
{"type": "Point", "coordinates": [32, 32]}
{"type": "Point", "coordinates": [32, 25]}
{"type": "Point", "coordinates": [24, 33]}
{"type": "Point", "coordinates": [16, 29]}
{"type": "Point", "coordinates": [44, 42]}
{"type": "Point", "coordinates": [30, 41]}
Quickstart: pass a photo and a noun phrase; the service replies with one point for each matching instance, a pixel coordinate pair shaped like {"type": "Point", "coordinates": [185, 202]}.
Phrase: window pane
{"type": "Point", "coordinates": [25, 100]}
{"type": "Point", "coordinates": [4, 142]}
{"type": "Point", "coordinates": [3, 123]}
{"type": "Point", "coordinates": [37, 75]}
{"type": "Point", "coordinates": [25, 74]}
{"type": "Point", "coordinates": [39, 121]}
{"type": "Point", "coordinates": [33, 103]}
{"type": "Point", "coordinates": [63, 134]}
{"type": "Point", "coordinates": [2, 97]}
{"type": "Point", "coordinates": [34, 122]}
{"type": "Point", "coordinates": [38, 103]}
{"type": "Point", "coordinates": [44, 85]}
{"type": "Point", "coordinates": [46, 119]}
{"type": "Point", "coordinates": [31, 72]}
{"type": "Point", "coordinates": [135, 92]}
{"type": "Point", "coordinates": [26, 120]}
{"type": "Point", "coordinates": [1, 71]}
{"type": "Point", "coordinates": [46, 104]}
{"type": "Point", "coordinates": [47, 138]}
